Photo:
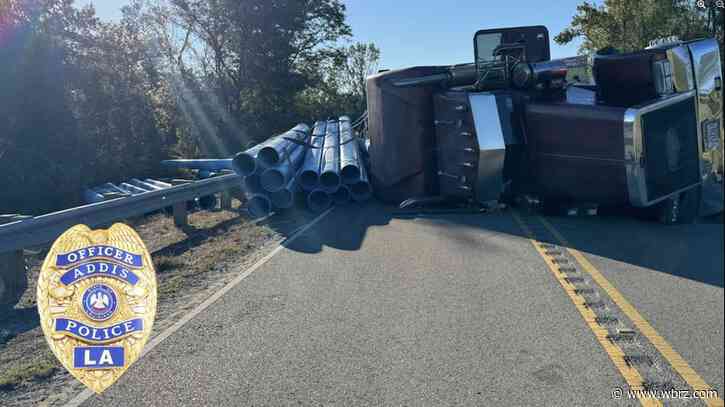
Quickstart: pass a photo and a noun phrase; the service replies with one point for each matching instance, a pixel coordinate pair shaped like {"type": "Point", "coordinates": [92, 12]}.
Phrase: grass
{"type": "Point", "coordinates": [171, 285]}
{"type": "Point", "coordinates": [164, 264]}
{"type": "Point", "coordinates": [39, 369]}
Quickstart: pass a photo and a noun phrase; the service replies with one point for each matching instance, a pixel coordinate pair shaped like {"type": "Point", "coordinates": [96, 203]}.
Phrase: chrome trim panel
{"type": "Point", "coordinates": [708, 71]}
{"type": "Point", "coordinates": [633, 149]}
{"type": "Point", "coordinates": [636, 186]}
{"type": "Point", "coordinates": [706, 63]}
{"type": "Point", "coordinates": [679, 58]}
{"type": "Point", "coordinates": [491, 146]}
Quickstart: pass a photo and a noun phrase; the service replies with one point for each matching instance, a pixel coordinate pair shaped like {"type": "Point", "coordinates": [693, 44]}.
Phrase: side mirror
{"type": "Point", "coordinates": [534, 40]}
{"type": "Point", "coordinates": [485, 45]}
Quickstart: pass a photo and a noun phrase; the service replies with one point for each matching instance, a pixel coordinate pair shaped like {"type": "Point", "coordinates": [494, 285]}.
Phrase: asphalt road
{"type": "Point", "coordinates": [369, 309]}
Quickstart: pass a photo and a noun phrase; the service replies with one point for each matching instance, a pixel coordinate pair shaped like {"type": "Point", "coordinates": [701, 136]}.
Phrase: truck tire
{"type": "Point", "coordinates": [680, 209]}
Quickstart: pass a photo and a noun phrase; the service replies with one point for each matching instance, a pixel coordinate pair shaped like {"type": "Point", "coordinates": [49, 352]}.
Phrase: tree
{"type": "Point", "coordinates": [339, 87]}
{"type": "Point", "coordinates": [79, 104]}
{"type": "Point", "coordinates": [256, 56]}
{"type": "Point", "coordinates": [84, 102]}
{"type": "Point", "coordinates": [360, 61]}
{"type": "Point", "coordinates": [629, 25]}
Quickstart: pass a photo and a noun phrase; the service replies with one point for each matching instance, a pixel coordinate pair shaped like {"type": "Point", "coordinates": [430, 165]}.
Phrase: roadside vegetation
{"type": "Point", "coordinates": [629, 25]}
{"type": "Point", "coordinates": [85, 101]}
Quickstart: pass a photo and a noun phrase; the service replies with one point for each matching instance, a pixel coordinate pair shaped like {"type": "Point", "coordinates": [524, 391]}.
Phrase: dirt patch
{"type": "Point", "coordinates": [191, 264]}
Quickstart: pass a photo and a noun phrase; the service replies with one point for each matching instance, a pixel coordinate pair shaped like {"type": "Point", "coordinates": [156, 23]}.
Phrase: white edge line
{"type": "Point", "coordinates": [87, 393]}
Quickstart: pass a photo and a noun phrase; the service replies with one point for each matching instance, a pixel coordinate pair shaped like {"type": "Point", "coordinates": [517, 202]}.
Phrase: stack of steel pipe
{"type": "Point", "coordinates": [323, 166]}
{"type": "Point", "coordinates": [334, 170]}
{"type": "Point", "coordinates": [269, 170]}
{"type": "Point", "coordinates": [352, 166]}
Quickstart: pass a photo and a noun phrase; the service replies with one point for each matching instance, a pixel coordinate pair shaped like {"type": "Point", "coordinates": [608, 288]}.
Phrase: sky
{"type": "Point", "coordinates": [426, 32]}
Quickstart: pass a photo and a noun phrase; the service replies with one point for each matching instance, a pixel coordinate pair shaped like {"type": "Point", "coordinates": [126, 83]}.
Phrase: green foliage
{"type": "Point", "coordinates": [251, 59]}
{"type": "Point", "coordinates": [629, 25]}
{"type": "Point", "coordinates": [339, 86]}
{"type": "Point", "coordinates": [84, 102]}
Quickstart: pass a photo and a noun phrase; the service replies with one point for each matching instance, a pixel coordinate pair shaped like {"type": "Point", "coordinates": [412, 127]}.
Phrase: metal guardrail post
{"type": "Point", "coordinates": [13, 281]}
{"type": "Point", "coordinates": [225, 201]}
{"type": "Point", "coordinates": [180, 214]}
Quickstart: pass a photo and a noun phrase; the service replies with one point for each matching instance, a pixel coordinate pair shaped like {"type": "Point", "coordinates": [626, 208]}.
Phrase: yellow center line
{"type": "Point", "coordinates": [630, 374]}
{"type": "Point", "coordinates": [677, 362]}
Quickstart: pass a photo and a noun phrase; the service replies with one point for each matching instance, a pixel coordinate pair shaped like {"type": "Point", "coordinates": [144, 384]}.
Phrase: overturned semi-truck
{"type": "Point", "coordinates": [646, 134]}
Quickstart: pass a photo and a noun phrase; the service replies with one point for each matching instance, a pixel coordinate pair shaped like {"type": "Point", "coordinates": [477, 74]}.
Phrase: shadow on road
{"type": "Point", "coordinates": [344, 228]}
{"type": "Point", "coordinates": [691, 251]}
{"type": "Point", "coordinates": [688, 251]}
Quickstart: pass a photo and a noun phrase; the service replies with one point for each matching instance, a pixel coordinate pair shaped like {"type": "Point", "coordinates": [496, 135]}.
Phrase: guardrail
{"type": "Point", "coordinates": [22, 233]}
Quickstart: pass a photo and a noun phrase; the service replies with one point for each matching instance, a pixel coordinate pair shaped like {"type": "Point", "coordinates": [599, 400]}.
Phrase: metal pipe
{"type": "Point", "coordinates": [247, 162]}
{"type": "Point", "coordinates": [318, 129]}
{"type": "Point", "coordinates": [285, 197]}
{"type": "Point", "coordinates": [330, 168]}
{"type": "Point", "coordinates": [349, 153]}
{"type": "Point", "coordinates": [91, 196]}
{"type": "Point", "coordinates": [309, 175]}
{"type": "Point", "coordinates": [274, 179]}
{"type": "Point", "coordinates": [454, 75]}
{"type": "Point", "coordinates": [341, 196]}
{"type": "Point", "coordinates": [361, 190]}
{"type": "Point", "coordinates": [277, 149]}
{"type": "Point", "coordinates": [114, 188]}
{"type": "Point", "coordinates": [144, 185]}
{"type": "Point", "coordinates": [132, 189]}
{"type": "Point", "coordinates": [318, 200]}
{"type": "Point", "coordinates": [282, 199]}
{"type": "Point", "coordinates": [251, 184]}
{"type": "Point", "coordinates": [110, 193]}
{"type": "Point", "coordinates": [158, 183]}
{"type": "Point", "coordinates": [201, 164]}
{"type": "Point", "coordinates": [259, 205]}
{"type": "Point", "coordinates": [102, 189]}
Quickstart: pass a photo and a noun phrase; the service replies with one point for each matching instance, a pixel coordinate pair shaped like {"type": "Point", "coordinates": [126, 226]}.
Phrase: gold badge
{"type": "Point", "coordinates": [97, 301]}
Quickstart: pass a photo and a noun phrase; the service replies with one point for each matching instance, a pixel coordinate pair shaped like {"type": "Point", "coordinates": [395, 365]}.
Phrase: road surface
{"type": "Point", "coordinates": [366, 308]}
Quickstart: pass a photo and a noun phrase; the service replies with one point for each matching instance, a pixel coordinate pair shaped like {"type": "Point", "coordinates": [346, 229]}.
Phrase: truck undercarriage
{"type": "Point", "coordinates": [517, 126]}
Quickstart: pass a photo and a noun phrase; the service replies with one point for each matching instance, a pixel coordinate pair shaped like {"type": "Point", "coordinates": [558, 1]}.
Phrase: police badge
{"type": "Point", "coordinates": [96, 298]}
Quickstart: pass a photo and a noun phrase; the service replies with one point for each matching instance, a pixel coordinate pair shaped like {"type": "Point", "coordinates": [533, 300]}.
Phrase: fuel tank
{"type": "Point", "coordinates": [402, 135]}
{"type": "Point", "coordinates": [477, 144]}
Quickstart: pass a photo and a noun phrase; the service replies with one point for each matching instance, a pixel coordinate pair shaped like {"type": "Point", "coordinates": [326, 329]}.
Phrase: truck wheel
{"type": "Point", "coordinates": [680, 209]}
